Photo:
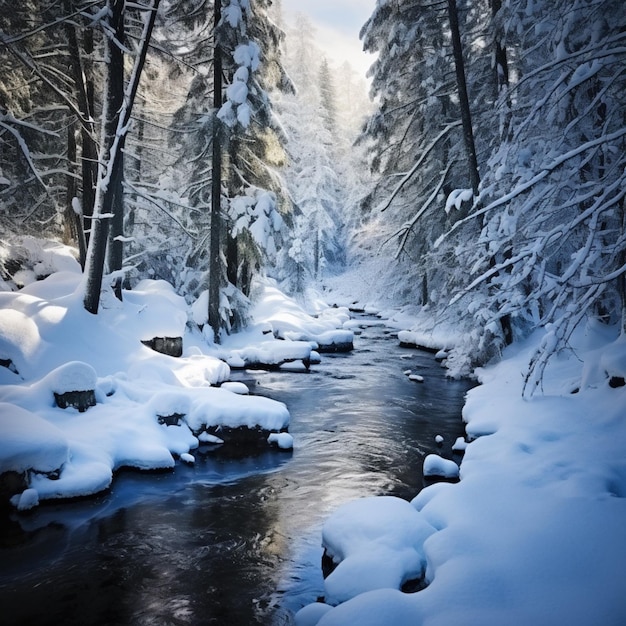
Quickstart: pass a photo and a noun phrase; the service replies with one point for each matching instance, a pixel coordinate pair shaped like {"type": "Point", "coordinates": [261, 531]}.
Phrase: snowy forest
{"type": "Point", "coordinates": [495, 144]}
{"type": "Point", "coordinates": [204, 161]}
{"type": "Point", "coordinates": [169, 141]}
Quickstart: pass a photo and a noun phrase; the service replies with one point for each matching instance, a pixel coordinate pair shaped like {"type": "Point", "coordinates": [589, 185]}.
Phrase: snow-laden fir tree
{"type": "Point", "coordinates": [553, 192]}
{"type": "Point", "coordinates": [414, 137]}
{"type": "Point", "coordinates": [250, 143]}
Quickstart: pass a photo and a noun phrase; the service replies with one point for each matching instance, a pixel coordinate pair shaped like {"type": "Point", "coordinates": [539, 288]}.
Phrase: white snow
{"type": "Point", "coordinates": [460, 445]}
{"type": "Point", "coordinates": [270, 353]}
{"type": "Point", "coordinates": [376, 542]}
{"type": "Point", "coordinates": [457, 197]}
{"type": "Point", "coordinates": [287, 319]}
{"type": "Point", "coordinates": [236, 387]}
{"type": "Point", "coordinates": [283, 440]}
{"type": "Point", "coordinates": [434, 465]}
{"type": "Point", "coordinates": [72, 376]}
{"type": "Point", "coordinates": [311, 614]}
{"type": "Point", "coordinates": [430, 338]}
{"type": "Point", "coordinates": [29, 442]}
{"type": "Point", "coordinates": [28, 499]}
{"type": "Point", "coordinates": [205, 437]}
{"type": "Point", "coordinates": [534, 531]}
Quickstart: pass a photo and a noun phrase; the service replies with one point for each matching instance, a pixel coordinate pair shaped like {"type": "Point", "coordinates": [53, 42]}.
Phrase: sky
{"type": "Point", "coordinates": [337, 24]}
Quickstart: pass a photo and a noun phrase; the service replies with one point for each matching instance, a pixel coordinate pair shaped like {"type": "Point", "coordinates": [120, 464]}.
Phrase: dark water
{"type": "Point", "coordinates": [235, 541]}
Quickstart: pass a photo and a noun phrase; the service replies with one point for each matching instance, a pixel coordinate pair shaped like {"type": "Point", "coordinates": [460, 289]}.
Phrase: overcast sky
{"type": "Point", "coordinates": [337, 23]}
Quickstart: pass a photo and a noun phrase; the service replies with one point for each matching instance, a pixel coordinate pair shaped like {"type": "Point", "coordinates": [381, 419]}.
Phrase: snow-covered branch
{"type": "Point", "coordinates": [423, 155]}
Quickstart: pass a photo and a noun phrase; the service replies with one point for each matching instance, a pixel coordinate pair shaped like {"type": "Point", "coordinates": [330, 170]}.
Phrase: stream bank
{"type": "Point", "coordinates": [238, 540]}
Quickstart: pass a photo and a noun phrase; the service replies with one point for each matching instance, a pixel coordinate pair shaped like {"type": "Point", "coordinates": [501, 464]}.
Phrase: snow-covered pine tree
{"type": "Point", "coordinates": [414, 136]}
{"type": "Point", "coordinates": [251, 147]}
{"type": "Point", "coordinates": [553, 192]}
{"type": "Point", "coordinates": [328, 97]}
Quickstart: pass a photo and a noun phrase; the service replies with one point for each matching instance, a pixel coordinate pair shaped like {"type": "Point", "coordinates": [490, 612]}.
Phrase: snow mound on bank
{"type": "Point", "coordinates": [270, 353]}
{"type": "Point", "coordinates": [72, 376]}
{"type": "Point", "coordinates": [29, 442]}
{"type": "Point", "coordinates": [158, 311]}
{"type": "Point", "coordinates": [151, 408]}
{"type": "Point", "coordinates": [434, 465]}
{"type": "Point", "coordinates": [35, 259]}
{"type": "Point", "coordinates": [288, 320]}
{"type": "Point", "coordinates": [376, 543]}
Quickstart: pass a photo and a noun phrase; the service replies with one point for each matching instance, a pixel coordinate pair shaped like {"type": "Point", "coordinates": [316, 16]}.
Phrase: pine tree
{"type": "Point", "coordinates": [554, 187]}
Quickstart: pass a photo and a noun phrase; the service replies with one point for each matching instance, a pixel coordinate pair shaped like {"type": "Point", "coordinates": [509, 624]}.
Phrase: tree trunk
{"type": "Point", "coordinates": [466, 117]}
{"type": "Point", "coordinates": [117, 112]}
{"type": "Point", "coordinates": [115, 245]}
{"type": "Point", "coordinates": [501, 61]}
{"type": "Point", "coordinates": [106, 188]}
{"type": "Point", "coordinates": [501, 70]}
{"type": "Point", "coordinates": [73, 220]}
{"type": "Point", "coordinates": [232, 260]}
{"type": "Point", "coordinates": [88, 145]}
{"type": "Point", "coordinates": [215, 266]}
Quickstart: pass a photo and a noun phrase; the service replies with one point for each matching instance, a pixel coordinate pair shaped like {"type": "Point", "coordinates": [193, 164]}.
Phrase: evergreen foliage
{"type": "Point", "coordinates": [543, 243]}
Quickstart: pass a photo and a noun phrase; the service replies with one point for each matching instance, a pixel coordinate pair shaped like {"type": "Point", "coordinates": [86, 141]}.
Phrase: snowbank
{"type": "Point", "coordinates": [149, 408]}
{"type": "Point", "coordinates": [30, 260]}
{"type": "Point", "coordinates": [286, 319]}
{"type": "Point", "coordinates": [534, 531]}
{"type": "Point", "coordinates": [29, 442]}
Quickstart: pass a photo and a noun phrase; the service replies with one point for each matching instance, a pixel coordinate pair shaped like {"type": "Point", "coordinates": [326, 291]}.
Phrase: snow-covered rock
{"type": "Point", "coordinates": [284, 441]}
{"type": "Point", "coordinates": [72, 376]}
{"type": "Point", "coordinates": [28, 499]}
{"type": "Point", "coordinates": [434, 465]}
{"type": "Point", "coordinates": [375, 543]}
{"type": "Point", "coordinates": [236, 387]}
{"type": "Point", "coordinates": [270, 354]}
{"type": "Point", "coordinates": [460, 445]}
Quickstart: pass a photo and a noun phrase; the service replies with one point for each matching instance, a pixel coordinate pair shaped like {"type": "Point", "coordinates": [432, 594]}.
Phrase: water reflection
{"type": "Point", "coordinates": [235, 540]}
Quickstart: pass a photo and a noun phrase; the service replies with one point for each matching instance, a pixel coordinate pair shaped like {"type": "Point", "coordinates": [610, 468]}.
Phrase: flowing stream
{"type": "Point", "coordinates": [236, 541]}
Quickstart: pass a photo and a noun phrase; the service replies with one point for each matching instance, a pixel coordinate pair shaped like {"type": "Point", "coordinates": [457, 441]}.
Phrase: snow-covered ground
{"type": "Point", "coordinates": [151, 409]}
{"type": "Point", "coordinates": [534, 531]}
